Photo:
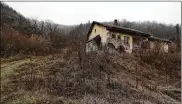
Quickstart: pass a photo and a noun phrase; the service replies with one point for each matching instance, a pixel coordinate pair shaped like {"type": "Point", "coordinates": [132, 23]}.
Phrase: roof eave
{"type": "Point", "coordinates": [158, 39]}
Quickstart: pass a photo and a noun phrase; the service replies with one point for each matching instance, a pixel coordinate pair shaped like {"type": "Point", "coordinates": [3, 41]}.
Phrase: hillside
{"type": "Point", "coordinates": [63, 79]}
{"type": "Point", "coordinates": [45, 63]}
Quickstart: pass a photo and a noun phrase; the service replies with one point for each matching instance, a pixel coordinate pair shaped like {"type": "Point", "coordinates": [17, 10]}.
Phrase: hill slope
{"type": "Point", "coordinates": [73, 77]}
{"type": "Point", "coordinates": [62, 78]}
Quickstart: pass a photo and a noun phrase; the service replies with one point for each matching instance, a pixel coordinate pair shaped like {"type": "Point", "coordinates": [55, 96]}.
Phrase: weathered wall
{"type": "Point", "coordinates": [163, 46]}
{"type": "Point", "coordinates": [91, 46]}
{"type": "Point", "coordinates": [130, 41]}
{"type": "Point", "coordinates": [99, 30]}
{"type": "Point", "coordinates": [152, 45]}
{"type": "Point", "coordinates": [112, 40]}
{"type": "Point", "coordinates": [120, 42]}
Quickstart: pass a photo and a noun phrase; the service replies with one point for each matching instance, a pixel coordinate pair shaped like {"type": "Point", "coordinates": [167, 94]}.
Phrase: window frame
{"type": "Point", "coordinates": [126, 40]}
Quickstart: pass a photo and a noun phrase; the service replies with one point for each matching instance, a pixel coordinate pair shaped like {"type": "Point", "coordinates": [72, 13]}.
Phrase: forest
{"type": "Point", "coordinates": [46, 35]}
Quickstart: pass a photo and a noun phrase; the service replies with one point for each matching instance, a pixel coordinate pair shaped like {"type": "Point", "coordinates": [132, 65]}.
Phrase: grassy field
{"type": "Point", "coordinates": [95, 79]}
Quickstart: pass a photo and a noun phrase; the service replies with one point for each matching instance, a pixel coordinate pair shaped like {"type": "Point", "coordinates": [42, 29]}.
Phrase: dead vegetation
{"type": "Point", "coordinates": [14, 42]}
{"type": "Point", "coordinates": [32, 73]}
{"type": "Point", "coordinates": [75, 77]}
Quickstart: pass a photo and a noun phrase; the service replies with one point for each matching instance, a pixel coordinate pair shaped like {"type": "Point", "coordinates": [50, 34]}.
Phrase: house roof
{"type": "Point", "coordinates": [118, 29]}
{"type": "Point", "coordinates": [152, 38]}
{"type": "Point", "coordinates": [128, 31]}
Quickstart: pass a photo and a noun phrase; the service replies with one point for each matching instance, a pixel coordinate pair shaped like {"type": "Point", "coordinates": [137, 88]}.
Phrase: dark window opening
{"type": "Point", "coordinates": [119, 38]}
{"type": "Point", "coordinates": [126, 40]}
{"type": "Point", "coordinates": [95, 30]}
{"type": "Point", "coordinates": [113, 36]}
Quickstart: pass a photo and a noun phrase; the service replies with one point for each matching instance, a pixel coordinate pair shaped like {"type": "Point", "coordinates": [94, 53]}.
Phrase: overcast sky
{"type": "Point", "coordinates": [70, 13]}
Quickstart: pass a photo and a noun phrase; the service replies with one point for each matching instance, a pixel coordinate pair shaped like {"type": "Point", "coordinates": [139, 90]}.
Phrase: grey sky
{"type": "Point", "coordinates": [70, 13]}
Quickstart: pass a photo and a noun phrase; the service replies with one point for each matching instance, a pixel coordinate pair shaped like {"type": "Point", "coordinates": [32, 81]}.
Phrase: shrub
{"type": "Point", "coordinates": [13, 42]}
{"type": "Point", "coordinates": [169, 63]}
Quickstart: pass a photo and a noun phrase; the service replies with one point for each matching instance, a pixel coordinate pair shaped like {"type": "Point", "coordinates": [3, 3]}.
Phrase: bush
{"type": "Point", "coordinates": [165, 62]}
{"type": "Point", "coordinates": [13, 42]}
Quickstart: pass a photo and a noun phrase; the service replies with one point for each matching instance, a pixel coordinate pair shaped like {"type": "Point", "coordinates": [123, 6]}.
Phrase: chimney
{"type": "Point", "coordinates": [150, 32]}
{"type": "Point", "coordinates": [116, 22]}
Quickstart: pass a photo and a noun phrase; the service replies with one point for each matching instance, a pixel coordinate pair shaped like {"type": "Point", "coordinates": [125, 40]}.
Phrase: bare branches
{"type": "Point", "coordinates": [52, 30]}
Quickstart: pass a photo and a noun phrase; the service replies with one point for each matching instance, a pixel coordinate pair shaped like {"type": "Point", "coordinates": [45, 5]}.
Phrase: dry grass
{"type": "Point", "coordinates": [73, 77]}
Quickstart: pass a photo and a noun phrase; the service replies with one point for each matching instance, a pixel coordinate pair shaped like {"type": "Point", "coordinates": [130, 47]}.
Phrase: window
{"type": "Point", "coordinates": [113, 36]}
{"type": "Point", "coordinates": [126, 40]}
{"type": "Point", "coordinates": [95, 30]}
{"type": "Point", "coordinates": [119, 38]}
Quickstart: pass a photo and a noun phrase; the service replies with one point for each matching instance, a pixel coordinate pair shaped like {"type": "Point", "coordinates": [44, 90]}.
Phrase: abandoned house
{"type": "Point", "coordinates": [121, 39]}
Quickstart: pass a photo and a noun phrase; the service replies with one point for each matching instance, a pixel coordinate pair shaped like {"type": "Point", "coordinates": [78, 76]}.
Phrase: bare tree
{"type": "Point", "coordinates": [52, 30]}
{"type": "Point", "coordinates": [42, 26]}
